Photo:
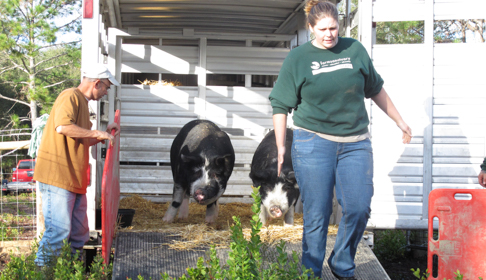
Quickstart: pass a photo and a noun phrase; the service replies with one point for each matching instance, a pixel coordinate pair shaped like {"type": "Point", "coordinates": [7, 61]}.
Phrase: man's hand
{"type": "Point", "coordinates": [103, 135]}
{"type": "Point", "coordinates": [114, 126]}
{"type": "Point", "coordinates": [482, 178]}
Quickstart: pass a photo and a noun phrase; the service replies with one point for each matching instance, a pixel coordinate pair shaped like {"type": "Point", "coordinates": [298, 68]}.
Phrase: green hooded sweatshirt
{"type": "Point", "coordinates": [326, 88]}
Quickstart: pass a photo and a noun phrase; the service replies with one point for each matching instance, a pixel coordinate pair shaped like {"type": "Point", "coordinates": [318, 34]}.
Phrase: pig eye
{"type": "Point", "coordinates": [197, 173]}
{"type": "Point", "coordinates": [287, 187]}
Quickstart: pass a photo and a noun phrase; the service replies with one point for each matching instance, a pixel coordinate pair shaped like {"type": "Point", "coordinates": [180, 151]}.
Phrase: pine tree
{"type": "Point", "coordinates": [34, 64]}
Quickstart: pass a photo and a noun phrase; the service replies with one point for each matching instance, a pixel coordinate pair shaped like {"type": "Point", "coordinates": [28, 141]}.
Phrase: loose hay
{"type": "Point", "coordinates": [195, 233]}
{"type": "Point", "coordinates": [200, 235]}
{"type": "Point", "coordinates": [161, 82]}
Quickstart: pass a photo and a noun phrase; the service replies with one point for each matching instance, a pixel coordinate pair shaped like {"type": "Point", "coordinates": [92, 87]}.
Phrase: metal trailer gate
{"type": "Point", "coordinates": [440, 91]}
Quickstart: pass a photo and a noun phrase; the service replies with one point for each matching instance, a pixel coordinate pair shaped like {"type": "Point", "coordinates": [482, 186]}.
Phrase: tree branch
{"type": "Point", "coordinates": [3, 70]}
{"type": "Point", "coordinates": [69, 23]}
{"type": "Point", "coordinates": [53, 67]}
{"type": "Point", "coordinates": [55, 45]}
{"type": "Point", "coordinates": [58, 83]}
{"type": "Point", "coordinates": [14, 100]}
{"type": "Point", "coordinates": [49, 59]}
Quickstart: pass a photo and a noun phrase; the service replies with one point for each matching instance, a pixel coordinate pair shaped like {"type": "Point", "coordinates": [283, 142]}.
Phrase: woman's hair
{"type": "Point", "coordinates": [316, 10]}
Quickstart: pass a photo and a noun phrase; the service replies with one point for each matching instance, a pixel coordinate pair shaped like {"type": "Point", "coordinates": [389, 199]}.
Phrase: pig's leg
{"type": "Point", "coordinates": [212, 212]}
{"type": "Point", "coordinates": [184, 210]}
{"type": "Point", "coordinates": [176, 203]}
{"type": "Point", "coordinates": [263, 215]}
{"type": "Point", "coordinates": [289, 217]}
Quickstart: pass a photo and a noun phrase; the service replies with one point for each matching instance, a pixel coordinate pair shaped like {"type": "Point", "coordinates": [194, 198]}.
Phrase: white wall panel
{"type": "Point", "coordinates": [245, 60]}
{"type": "Point", "coordinates": [385, 10]}
{"type": "Point", "coordinates": [159, 59]}
{"type": "Point", "coordinates": [459, 9]}
{"type": "Point", "coordinates": [470, 55]}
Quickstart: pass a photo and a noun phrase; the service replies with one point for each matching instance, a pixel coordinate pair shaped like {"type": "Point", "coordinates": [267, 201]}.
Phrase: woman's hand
{"type": "Point", "coordinates": [482, 178]}
{"type": "Point", "coordinates": [407, 132]}
{"type": "Point", "coordinates": [280, 126]}
{"type": "Point", "coordinates": [280, 158]}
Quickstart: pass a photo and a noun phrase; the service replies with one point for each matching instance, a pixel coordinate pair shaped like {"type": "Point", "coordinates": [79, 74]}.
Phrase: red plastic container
{"type": "Point", "coordinates": [461, 244]}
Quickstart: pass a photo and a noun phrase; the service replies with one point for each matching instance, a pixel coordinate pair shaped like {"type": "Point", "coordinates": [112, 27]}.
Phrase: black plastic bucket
{"type": "Point", "coordinates": [125, 216]}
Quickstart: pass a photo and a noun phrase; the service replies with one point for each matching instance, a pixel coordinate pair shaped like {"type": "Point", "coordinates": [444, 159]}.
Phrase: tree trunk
{"type": "Point", "coordinates": [33, 103]}
{"type": "Point", "coordinates": [33, 110]}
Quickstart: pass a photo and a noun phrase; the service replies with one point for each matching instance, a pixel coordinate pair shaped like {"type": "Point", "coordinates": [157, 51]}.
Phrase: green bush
{"type": "Point", "coordinates": [66, 266]}
{"type": "Point", "coordinates": [425, 275]}
{"type": "Point", "coordinates": [390, 245]}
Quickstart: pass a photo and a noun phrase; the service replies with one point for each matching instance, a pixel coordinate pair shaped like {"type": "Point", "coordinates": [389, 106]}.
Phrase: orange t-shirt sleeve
{"type": "Point", "coordinates": [66, 111]}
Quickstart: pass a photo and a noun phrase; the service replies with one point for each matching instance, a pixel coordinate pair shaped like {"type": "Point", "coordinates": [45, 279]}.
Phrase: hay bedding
{"type": "Point", "coordinates": [195, 233]}
{"type": "Point", "coordinates": [147, 82]}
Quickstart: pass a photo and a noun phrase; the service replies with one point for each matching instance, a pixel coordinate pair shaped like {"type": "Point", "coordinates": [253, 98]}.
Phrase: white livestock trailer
{"type": "Point", "coordinates": [227, 54]}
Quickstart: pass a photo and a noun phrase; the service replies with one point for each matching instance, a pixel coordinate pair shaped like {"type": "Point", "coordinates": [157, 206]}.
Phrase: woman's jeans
{"type": "Point", "coordinates": [320, 166]}
{"type": "Point", "coordinates": [65, 218]}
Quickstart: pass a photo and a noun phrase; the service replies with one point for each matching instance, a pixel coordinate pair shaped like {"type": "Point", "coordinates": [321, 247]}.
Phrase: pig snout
{"type": "Point", "coordinates": [275, 211]}
{"type": "Point", "coordinates": [199, 196]}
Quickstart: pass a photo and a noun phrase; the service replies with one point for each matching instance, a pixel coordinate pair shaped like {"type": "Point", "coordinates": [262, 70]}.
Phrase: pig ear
{"type": "Point", "coordinates": [221, 161]}
{"type": "Point", "coordinates": [290, 177]}
{"type": "Point", "coordinates": [224, 161]}
{"type": "Point", "coordinates": [187, 159]}
{"type": "Point", "coordinates": [259, 174]}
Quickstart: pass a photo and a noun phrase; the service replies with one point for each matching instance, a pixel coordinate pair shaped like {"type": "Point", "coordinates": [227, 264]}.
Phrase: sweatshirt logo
{"type": "Point", "coordinates": [319, 67]}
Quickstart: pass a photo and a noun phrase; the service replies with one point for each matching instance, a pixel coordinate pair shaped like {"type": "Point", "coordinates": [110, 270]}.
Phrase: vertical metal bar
{"type": "Point", "coordinates": [201, 78]}
{"type": "Point", "coordinates": [90, 55]}
{"type": "Point", "coordinates": [366, 25]}
{"type": "Point", "coordinates": [429, 91]}
{"type": "Point", "coordinates": [248, 77]}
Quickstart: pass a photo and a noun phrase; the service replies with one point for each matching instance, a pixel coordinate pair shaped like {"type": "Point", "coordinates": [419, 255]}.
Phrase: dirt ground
{"type": "Point", "coordinates": [13, 248]}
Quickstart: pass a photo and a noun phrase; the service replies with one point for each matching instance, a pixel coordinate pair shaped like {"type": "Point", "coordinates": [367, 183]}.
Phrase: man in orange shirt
{"type": "Point", "coordinates": [63, 160]}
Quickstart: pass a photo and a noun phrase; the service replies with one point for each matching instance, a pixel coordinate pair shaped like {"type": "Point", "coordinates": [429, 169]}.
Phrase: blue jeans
{"type": "Point", "coordinates": [320, 166]}
{"type": "Point", "coordinates": [65, 218]}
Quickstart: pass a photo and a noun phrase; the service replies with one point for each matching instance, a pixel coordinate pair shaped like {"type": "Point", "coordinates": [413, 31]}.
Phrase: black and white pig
{"type": "Point", "coordinates": [279, 194]}
{"type": "Point", "coordinates": [202, 160]}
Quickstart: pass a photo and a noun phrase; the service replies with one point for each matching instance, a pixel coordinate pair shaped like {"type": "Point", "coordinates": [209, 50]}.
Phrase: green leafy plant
{"type": "Point", "coordinates": [390, 245]}
{"type": "Point", "coordinates": [66, 266]}
{"type": "Point", "coordinates": [426, 274]}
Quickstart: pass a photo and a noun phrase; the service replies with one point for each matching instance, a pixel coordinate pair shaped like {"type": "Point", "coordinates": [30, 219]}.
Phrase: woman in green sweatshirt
{"type": "Point", "coordinates": [482, 174]}
{"type": "Point", "coordinates": [325, 82]}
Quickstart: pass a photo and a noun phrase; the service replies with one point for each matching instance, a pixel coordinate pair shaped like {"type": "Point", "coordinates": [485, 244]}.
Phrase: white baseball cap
{"type": "Point", "coordinates": [99, 71]}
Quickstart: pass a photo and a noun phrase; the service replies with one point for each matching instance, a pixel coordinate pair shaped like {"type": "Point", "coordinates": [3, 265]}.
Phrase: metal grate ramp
{"type": "Point", "coordinates": [143, 253]}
